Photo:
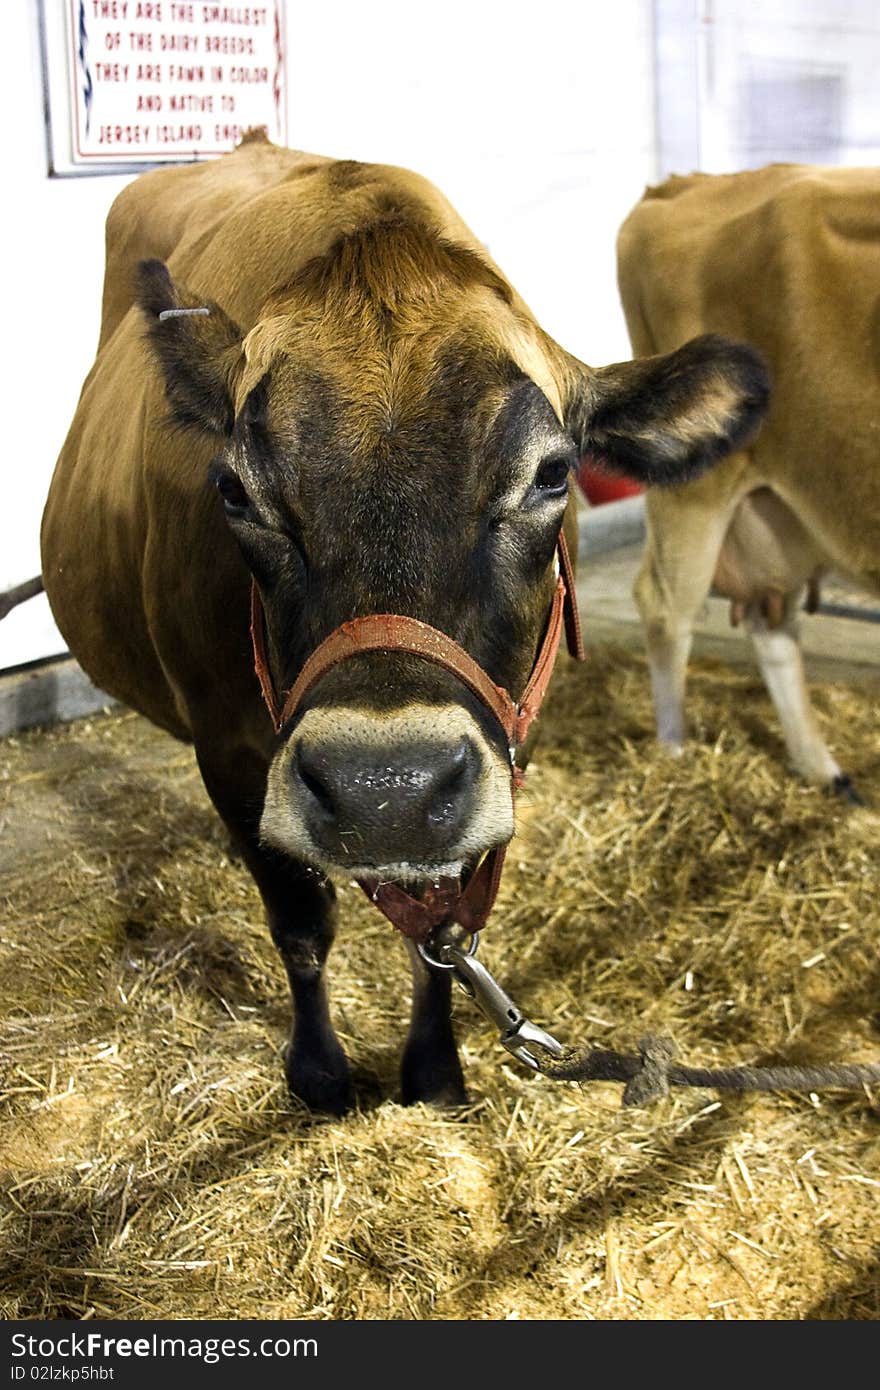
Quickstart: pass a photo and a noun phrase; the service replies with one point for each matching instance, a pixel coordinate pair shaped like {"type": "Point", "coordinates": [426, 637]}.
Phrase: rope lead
{"type": "Point", "coordinates": [649, 1075]}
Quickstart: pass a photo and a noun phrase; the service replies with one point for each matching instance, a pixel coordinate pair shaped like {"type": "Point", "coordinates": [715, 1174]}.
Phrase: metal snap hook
{"type": "Point", "coordinates": [516, 1032]}
{"type": "Point", "coordinates": [436, 964]}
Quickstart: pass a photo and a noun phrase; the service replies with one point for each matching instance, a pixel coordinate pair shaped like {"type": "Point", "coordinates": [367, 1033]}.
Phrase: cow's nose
{"type": "Point", "coordinates": [409, 803]}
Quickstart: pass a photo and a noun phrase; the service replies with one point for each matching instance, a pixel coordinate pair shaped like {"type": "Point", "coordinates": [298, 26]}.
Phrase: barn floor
{"type": "Point", "coordinates": [151, 1164]}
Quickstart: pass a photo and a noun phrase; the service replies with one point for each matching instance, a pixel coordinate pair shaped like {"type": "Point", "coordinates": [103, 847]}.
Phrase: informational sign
{"type": "Point", "coordinates": [134, 82]}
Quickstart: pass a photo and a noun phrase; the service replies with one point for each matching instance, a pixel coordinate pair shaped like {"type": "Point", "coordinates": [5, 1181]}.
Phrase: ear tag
{"type": "Point", "coordinates": [180, 313]}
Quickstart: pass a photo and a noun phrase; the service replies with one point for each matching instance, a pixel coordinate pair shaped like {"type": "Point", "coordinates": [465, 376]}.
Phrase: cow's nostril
{"type": "Point", "coordinates": [453, 783]}
{"type": "Point", "coordinates": [310, 777]}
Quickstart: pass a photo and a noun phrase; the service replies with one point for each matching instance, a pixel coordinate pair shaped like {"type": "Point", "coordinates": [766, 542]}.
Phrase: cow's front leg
{"type": "Point", "coordinates": [430, 1069]}
{"type": "Point", "coordinates": [301, 910]}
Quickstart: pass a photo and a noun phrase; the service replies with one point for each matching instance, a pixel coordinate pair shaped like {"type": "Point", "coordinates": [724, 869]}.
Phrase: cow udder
{"type": "Point", "coordinates": [767, 553]}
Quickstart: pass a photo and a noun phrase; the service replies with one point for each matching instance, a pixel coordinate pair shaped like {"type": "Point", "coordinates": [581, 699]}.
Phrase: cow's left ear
{"type": "Point", "coordinates": [198, 348]}
{"type": "Point", "coordinates": [662, 420]}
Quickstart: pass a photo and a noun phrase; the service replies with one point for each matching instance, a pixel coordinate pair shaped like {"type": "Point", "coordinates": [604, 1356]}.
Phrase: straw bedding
{"type": "Point", "coordinates": [152, 1165]}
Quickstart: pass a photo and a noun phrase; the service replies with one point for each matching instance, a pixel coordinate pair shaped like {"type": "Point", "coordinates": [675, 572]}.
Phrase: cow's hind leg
{"type": "Point", "coordinates": [777, 648]}
{"type": "Point", "coordinates": [301, 909]}
{"type": "Point", "coordinates": [430, 1068]}
{"type": "Point", "coordinates": [684, 540]}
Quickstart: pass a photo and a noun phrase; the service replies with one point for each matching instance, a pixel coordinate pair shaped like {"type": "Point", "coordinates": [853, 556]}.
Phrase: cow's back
{"type": "Point", "coordinates": [787, 258]}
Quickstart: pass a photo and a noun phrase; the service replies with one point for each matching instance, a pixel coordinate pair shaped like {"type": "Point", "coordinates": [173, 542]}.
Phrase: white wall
{"type": "Point", "coordinates": [792, 80]}
{"type": "Point", "coordinates": [53, 256]}
{"type": "Point", "coordinates": [536, 120]}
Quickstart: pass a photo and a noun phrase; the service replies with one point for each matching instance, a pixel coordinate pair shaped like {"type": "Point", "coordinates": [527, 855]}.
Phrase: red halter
{"type": "Point", "coordinates": [392, 632]}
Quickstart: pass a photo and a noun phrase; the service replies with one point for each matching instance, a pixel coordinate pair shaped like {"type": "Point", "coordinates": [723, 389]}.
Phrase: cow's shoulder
{"type": "Point", "coordinates": [236, 228]}
{"type": "Point", "coordinates": [259, 244]}
{"type": "Point", "coordinates": [166, 206]}
{"type": "Point", "coordinates": [168, 209]}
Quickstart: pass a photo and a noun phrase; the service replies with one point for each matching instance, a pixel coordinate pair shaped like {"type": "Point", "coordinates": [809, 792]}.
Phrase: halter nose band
{"type": "Point", "coordinates": [392, 632]}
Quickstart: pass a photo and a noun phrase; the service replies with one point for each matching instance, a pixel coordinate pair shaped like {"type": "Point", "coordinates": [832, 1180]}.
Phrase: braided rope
{"type": "Point", "coordinates": [650, 1074]}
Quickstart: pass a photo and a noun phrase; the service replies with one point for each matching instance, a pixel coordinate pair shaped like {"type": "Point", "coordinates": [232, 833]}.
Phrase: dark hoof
{"type": "Point", "coordinates": [436, 1081]}
{"type": "Point", "coordinates": [323, 1082]}
{"type": "Point", "coordinates": [843, 787]}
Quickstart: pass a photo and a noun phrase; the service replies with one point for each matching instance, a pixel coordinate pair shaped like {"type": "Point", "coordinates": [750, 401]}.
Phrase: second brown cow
{"type": "Point", "coordinates": [785, 257]}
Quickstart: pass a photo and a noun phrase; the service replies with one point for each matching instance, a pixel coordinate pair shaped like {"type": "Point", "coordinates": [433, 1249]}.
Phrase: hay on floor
{"type": "Point", "coordinates": [153, 1165]}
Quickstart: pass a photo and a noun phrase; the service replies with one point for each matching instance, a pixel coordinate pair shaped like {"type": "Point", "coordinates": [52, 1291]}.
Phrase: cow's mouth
{"type": "Point", "coordinates": [420, 910]}
{"type": "Point", "coordinates": [433, 892]}
{"type": "Point", "coordinates": [420, 878]}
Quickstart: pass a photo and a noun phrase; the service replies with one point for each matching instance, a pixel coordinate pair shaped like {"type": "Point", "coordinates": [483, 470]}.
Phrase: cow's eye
{"type": "Point", "coordinates": [235, 499]}
{"type": "Point", "coordinates": [551, 479]}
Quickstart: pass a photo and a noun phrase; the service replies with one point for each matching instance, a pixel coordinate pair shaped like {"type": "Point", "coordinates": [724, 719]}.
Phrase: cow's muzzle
{"type": "Point", "coordinates": [414, 794]}
{"type": "Point", "coordinates": [376, 808]}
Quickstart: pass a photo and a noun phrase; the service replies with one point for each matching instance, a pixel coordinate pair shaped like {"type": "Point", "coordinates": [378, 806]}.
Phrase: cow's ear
{"type": "Point", "coordinates": [198, 348]}
{"type": "Point", "coordinates": [662, 420]}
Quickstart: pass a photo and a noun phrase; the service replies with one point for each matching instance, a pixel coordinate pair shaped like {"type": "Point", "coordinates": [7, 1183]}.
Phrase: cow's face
{"type": "Point", "coordinates": [399, 437]}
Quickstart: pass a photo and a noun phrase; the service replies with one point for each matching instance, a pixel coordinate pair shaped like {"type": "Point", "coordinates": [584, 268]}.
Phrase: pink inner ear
{"type": "Point", "coordinates": [599, 483]}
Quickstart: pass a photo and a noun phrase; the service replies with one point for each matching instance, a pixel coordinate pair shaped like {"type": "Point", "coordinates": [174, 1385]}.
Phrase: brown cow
{"type": "Point", "coordinates": [785, 257]}
{"type": "Point", "coordinates": [365, 418]}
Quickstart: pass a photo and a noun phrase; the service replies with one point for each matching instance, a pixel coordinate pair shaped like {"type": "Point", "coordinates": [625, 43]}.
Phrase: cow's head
{"type": "Point", "coordinates": [398, 436]}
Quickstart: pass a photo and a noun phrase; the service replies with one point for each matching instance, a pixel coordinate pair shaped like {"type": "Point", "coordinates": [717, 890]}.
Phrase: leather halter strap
{"type": "Point", "coordinates": [445, 901]}
{"type": "Point", "coordinates": [393, 632]}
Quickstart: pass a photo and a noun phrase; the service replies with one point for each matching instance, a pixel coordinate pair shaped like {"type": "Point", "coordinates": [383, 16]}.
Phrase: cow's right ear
{"type": "Point", "coordinates": [197, 346]}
